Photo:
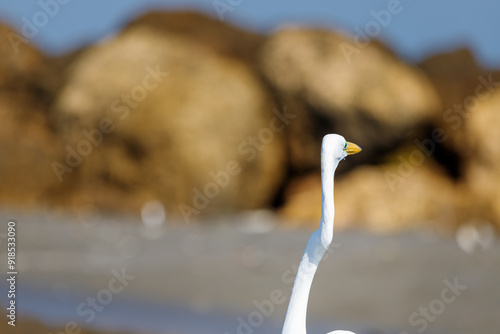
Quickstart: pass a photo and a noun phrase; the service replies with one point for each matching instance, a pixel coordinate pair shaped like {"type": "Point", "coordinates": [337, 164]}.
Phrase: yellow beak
{"type": "Point", "coordinates": [352, 148]}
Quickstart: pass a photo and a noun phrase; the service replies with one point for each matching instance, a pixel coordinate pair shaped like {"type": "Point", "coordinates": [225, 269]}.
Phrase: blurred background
{"type": "Point", "coordinates": [161, 159]}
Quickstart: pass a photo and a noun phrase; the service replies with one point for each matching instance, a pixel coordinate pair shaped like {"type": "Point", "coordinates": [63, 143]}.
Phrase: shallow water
{"type": "Point", "coordinates": [199, 279]}
{"type": "Point", "coordinates": [144, 316]}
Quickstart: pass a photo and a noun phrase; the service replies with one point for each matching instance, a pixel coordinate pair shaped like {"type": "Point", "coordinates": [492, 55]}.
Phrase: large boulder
{"type": "Point", "coordinates": [462, 85]}
{"type": "Point", "coordinates": [224, 39]}
{"type": "Point", "coordinates": [453, 74]}
{"type": "Point", "coordinates": [482, 172]}
{"type": "Point", "coordinates": [469, 119]}
{"type": "Point", "coordinates": [27, 149]}
{"type": "Point", "coordinates": [409, 190]}
{"type": "Point", "coordinates": [27, 144]}
{"type": "Point", "coordinates": [153, 114]}
{"type": "Point", "coordinates": [365, 94]}
{"type": "Point", "coordinates": [20, 63]}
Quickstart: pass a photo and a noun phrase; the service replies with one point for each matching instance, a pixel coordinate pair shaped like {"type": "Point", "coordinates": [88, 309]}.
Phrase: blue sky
{"type": "Point", "coordinates": [420, 28]}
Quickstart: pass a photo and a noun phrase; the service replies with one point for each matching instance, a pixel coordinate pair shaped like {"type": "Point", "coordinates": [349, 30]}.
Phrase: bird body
{"type": "Point", "coordinates": [334, 148]}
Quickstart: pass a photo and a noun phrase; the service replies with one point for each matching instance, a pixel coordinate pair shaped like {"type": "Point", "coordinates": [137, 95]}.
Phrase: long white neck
{"type": "Point", "coordinates": [320, 240]}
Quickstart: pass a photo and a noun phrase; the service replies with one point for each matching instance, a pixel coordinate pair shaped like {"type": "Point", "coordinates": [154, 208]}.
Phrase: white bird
{"type": "Point", "coordinates": [333, 149]}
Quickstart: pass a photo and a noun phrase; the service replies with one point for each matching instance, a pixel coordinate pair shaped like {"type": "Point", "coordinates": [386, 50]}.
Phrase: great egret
{"type": "Point", "coordinates": [334, 148]}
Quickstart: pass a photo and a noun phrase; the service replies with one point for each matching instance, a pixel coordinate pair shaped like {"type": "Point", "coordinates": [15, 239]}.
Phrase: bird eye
{"type": "Point", "coordinates": [345, 146]}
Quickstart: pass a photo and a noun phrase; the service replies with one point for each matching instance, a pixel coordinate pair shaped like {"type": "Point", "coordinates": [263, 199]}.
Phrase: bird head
{"type": "Point", "coordinates": [336, 146]}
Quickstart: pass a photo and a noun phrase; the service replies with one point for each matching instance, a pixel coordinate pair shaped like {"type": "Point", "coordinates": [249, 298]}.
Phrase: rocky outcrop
{"type": "Point", "coordinates": [224, 39]}
{"type": "Point", "coordinates": [208, 118]}
{"type": "Point", "coordinates": [482, 172]}
{"type": "Point", "coordinates": [468, 120]}
{"type": "Point", "coordinates": [169, 118]}
{"type": "Point", "coordinates": [20, 64]}
{"type": "Point", "coordinates": [444, 178]}
{"type": "Point", "coordinates": [27, 143]}
{"type": "Point", "coordinates": [462, 85]}
{"type": "Point", "coordinates": [370, 96]}
{"type": "Point", "coordinates": [397, 195]}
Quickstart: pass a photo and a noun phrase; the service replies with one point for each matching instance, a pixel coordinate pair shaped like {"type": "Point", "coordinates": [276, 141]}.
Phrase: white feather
{"type": "Point", "coordinates": [332, 152]}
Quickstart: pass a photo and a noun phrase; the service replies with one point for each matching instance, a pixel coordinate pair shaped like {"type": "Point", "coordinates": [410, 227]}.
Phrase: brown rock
{"type": "Point", "coordinates": [454, 74]}
{"type": "Point", "coordinates": [27, 149]}
{"type": "Point", "coordinates": [459, 81]}
{"type": "Point", "coordinates": [383, 198]}
{"type": "Point", "coordinates": [370, 197]}
{"type": "Point", "coordinates": [224, 39]}
{"type": "Point", "coordinates": [369, 97]}
{"type": "Point", "coordinates": [20, 63]}
{"type": "Point", "coordinates": [482, 167]}
{"type": "Point", "coordinates": [168, 139]}
{"type": "Point", "coordinates": [27, 144]}
{"type": "Point", "coordinates": [302, 200]}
